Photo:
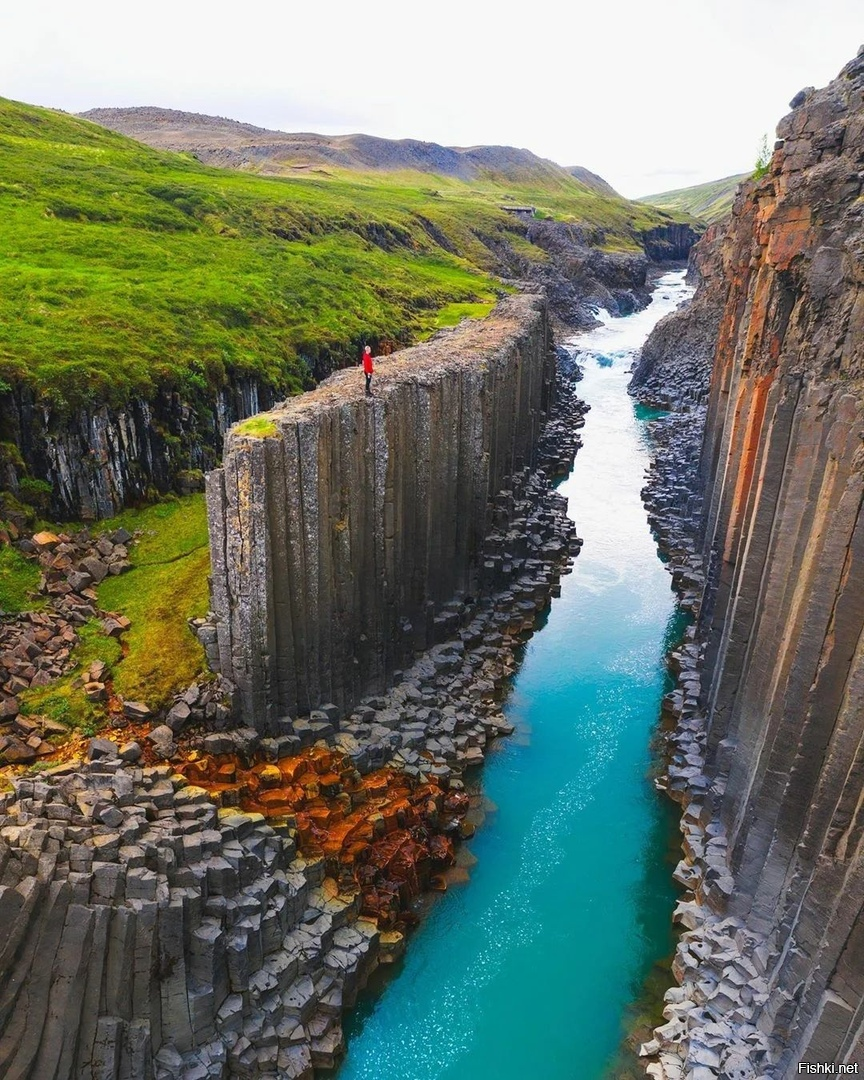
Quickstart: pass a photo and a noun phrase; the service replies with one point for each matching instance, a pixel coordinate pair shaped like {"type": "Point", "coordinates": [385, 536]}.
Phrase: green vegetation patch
{"type": "Point", "coordinates": [166, 586]}
{"type": "Point", "coordinates": [708, 202]}
{"type": "Point", "coordinates": [19, 579]}
{"type": "Point", "coordinates": [257, 426]}
{"type": "Point", "coordinates": [452, 314]}
{"type": "Point", "coordinates": [159, 655]}
{"type": "Point", "coordinates": [64, 700]}
{"type": "Point", "coordinates": [125, 270]}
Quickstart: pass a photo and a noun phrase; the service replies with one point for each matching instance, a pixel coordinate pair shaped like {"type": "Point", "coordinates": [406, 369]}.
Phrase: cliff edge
{"type": "Point", "coordinates": [342, 525]}
{"type": "Point", "coordinates": [768, 755]}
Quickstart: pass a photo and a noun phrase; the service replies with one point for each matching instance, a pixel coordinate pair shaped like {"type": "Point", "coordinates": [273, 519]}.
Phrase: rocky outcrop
{"type": "Point", "coordinates": [344, 528]}
{"type": "Point", "coordinates": [770, 743]}
{"type": "Point", "coordinates": [673, 368]}
{"type": "Point", "coordinates": [98, 460]}
{"type": "Point", "coordinates": [149, 935]}
{"type": "Point", "coordinates": [579, 275]}
{"type": "Point", "coordinates": [665, 243]}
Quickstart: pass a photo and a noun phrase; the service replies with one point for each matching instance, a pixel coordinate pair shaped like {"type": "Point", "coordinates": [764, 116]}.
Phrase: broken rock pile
{"type": "Point", "coordinates": [36, 647]}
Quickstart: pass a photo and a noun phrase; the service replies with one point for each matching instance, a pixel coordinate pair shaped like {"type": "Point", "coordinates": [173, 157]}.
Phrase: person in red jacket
{"type": "Point", "coordinates": [368, 368]}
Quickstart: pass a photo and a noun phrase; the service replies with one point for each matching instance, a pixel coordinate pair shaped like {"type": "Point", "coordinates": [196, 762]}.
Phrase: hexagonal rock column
{"type": "Point", "coordinates": [347, 522]}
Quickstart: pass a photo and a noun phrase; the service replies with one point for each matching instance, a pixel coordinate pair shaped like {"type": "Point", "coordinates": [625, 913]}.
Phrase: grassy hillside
{"type": "Point", "coordinates": [123, 268]}
{"type": "Point", "coordinates": [225, 143]}
{"type": "Point", "coordinates": [708, 202]}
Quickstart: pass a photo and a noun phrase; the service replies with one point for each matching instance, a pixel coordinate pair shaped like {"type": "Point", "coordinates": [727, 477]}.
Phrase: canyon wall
{"type": "Point", "coordinates": [784, 467]}
{"type": "Point", "coordinates": [782, 683]}
{"type": "Point", "coordinates": [101, 459]}
{"type": "Point", "coordinates": [673, 369]}
{"type": "Point", "coordinates": [346, 530]}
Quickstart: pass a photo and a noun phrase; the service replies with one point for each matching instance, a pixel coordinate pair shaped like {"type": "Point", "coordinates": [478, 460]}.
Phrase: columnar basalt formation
{"type": "Point", "coordinates": [100, 459]}
{"type": "Point", "coordinates": [148, 935]}
{"type": "Point", "coordinates": [343, 528]}
{"type": "Point", "coordinates": [209, 909]}
{"type": "Point", "coordinates": [769, 752]}
{"type": "Point", "coordinates": [205, 899]}
{"type": "Point", "coordinates": [673, 369]}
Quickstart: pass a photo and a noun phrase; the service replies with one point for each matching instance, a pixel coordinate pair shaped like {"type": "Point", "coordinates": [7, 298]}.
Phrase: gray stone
{"type": "Point", "coordinates": [129, 751]}
{"type": "Point", "coordinates": [101, 748]}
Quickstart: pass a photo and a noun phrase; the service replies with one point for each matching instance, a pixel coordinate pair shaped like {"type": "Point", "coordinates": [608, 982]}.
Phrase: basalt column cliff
{"type": "Point", "coordinates": [342, 530]}
{"type": "Point", "coordinates": [781, 980]}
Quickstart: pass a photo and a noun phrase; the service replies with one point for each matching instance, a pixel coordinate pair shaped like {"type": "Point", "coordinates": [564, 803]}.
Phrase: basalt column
{"type": "Point", "coordinates": [784, 469]}
{"type": "Point", "coordinates": [341, 524]}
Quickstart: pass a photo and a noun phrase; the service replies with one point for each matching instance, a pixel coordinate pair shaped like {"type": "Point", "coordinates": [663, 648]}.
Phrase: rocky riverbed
{"type": "Point", "coordinates": [200, 901]}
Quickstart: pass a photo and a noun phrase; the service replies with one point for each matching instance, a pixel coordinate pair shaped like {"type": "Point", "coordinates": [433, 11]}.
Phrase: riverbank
{"type": "Point", "coordinates": [719, 966]}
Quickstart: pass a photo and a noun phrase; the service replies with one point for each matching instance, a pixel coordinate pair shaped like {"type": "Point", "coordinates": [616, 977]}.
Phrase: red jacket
{"type": "Point", "coordinates": [367, 363]}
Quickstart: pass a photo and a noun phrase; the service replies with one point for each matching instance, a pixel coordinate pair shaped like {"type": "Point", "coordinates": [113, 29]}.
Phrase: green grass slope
{"type": "Point", "coordinates": [166, 586]}
{"type": "Point", "coordinates": [125, 269]}
{"type": "Point", "coordinates": [708, 202]}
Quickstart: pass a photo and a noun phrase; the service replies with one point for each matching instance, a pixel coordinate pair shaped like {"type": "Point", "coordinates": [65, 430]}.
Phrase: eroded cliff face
{"type": "Point", "coordinates": [674, 365]}
{"type": "Point", "coordinates": [782, 684]}
{"type": "Point", "coordinates": [347, 536]}
{"type": "Point", "coordinates": [784, 466]}
{"type": "Point", "coordinates": [101, 459]}
{"type": "Point", "coordinates": [579, 276]}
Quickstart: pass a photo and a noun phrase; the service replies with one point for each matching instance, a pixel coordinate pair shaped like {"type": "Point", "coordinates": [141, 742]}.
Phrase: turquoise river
{"type": "Point", "coordinates": [530, 969]}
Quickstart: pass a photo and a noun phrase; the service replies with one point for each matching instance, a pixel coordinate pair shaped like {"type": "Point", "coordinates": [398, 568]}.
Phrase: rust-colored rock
{"type": "Point", "coordinates": [383, 832]}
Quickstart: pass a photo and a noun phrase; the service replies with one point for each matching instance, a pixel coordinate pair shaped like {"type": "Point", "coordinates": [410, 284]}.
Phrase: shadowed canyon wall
{"type": "Point", "coordinates": [342, 532]}
{"type": "Point", "coordinates": [98, 460]}
{"type": "Point", "coordinates": [782, 472]}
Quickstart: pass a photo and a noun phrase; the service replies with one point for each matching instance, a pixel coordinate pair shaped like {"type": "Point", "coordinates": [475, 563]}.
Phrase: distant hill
{"type": "Point", "coordinates": [708, 202]}
{"type": "Point", "coordinates": [592, 180]}
{"type": "Point", "coordinates": [218, 141]}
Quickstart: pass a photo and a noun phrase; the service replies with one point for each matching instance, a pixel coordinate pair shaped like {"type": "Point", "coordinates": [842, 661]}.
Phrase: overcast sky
{"type": "Point", "coordinates": [650, 95]}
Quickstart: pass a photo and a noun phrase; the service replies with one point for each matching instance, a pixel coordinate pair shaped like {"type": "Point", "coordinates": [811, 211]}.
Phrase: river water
{"type": "Point", "coordinates": [529, 969]}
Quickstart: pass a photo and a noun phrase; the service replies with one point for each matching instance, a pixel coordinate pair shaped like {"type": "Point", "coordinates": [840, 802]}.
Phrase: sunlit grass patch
{"type": "Point", "coordinates": [257, 426]}
{"type": "Point", "coordinates": [124, 270]}
{"type": "Point", "coordinates": [19, 578]}
{"type": "Point", "coordinates": [166, 586]}
{"type": "Point", "coordinates": [455, 313]}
